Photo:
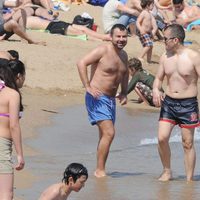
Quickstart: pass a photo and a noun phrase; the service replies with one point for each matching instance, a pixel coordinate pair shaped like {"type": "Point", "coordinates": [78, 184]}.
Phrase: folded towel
{"type": "Point", "coordinates": [196, 22]}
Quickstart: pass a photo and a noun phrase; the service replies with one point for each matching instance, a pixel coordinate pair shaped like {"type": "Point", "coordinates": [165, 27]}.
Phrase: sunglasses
{"type": "Point", "coordinates": [168, 39]}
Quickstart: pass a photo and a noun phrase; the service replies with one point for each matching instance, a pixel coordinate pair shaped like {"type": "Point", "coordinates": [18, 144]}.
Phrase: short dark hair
{"type": "Point", "coordinates": [145, 3]}
{"type": "Point", "coordinates": [74, 170]}
{"type": "Point", "coordinates": [177, 1]}
{"type": "Point", "coordinates": [8, 77]}
{"type": "Point", "coordinates": [135, 63]}
{"type": "Point", "coordinates": [14, 54]}
{"type": "Point", "coordinates": [176, 31]}
{"type": "Point", "coordinates": [17, 67]}
{"type": "Point", "coordinates": [121, 27]}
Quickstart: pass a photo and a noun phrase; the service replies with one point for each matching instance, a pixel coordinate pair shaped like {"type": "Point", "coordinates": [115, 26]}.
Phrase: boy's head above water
{"type": "Point", "coordinates": [75, 175]}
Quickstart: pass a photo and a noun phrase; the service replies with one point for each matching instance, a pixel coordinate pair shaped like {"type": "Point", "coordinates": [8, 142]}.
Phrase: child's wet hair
{"type": "Point", "coordinates": [135, 63]}
{"type": "Point", "coordinates": [74, 170]}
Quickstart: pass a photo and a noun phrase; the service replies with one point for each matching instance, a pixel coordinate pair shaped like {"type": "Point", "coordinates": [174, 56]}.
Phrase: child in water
{"type": "Point", "coordinates": [75, 176]}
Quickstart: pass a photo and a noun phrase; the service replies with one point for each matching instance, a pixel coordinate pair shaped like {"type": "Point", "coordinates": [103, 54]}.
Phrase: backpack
{"type": "Point", "coordinates": [79, 20]}
{"type": "Point", "coordinates": [98, 2]}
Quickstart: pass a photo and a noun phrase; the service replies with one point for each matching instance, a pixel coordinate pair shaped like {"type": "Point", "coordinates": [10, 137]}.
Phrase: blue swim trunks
{"type": "Point", "coordinates": [184, 112]}
{"type": "Point", "coordinates": [99, 109]}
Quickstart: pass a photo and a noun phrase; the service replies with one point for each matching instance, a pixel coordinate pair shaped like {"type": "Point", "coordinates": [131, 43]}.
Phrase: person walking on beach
{"type": "Point", "coordinates": [10, 107]}
{"type": "Point", "coordinates": [108, 70]}
{"type": "Point", "coordinates": [147, 28]}
{"type": "Point", "coordinates": [74, 178]}
{"type": "Point", "coordinates": [181, 66]}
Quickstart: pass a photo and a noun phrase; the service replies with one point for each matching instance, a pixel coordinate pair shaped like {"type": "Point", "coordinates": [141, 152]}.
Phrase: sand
{"type": "Point", "coordinates": [52, 79]}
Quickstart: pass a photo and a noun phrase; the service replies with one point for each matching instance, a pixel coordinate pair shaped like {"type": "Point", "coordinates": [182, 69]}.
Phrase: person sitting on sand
{"type": "Point", "coordinates": [112, 12]}
{"type": "Point", "coordinates": [32, 9]}
{"type": "Point", "coordinates": [185, 15]}
{"type": "Point", "coordinates": [14, 23]}
{"type": "Point", "coordinates": [75, 176]}
{"type": "Point", "coordinates": [63, 28]}
{"type": "Point", "coordinates": [141, 81]}
{"type": "Point", "coordinates": [129, 20]}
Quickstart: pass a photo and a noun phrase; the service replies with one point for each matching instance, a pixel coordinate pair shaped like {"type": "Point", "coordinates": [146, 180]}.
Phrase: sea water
{"type": "Point", "coordinates": [133, 164]}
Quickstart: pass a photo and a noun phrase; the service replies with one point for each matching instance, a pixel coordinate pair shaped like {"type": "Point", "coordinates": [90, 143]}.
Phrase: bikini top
{"type": "Point", "coordinates": [2, 86]}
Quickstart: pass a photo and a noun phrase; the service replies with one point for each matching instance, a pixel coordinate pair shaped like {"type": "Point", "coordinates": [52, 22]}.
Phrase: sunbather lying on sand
{"type": "Point", "coordinates": [63, 28]}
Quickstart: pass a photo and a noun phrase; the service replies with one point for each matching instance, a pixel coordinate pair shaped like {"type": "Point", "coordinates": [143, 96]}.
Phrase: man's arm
{"type": "Point", "coordinates": [124, 82]}
{"type": "Point", "coordinates": [90, 60]}
{"type": "Point", "coordinates": [196, 60]}
{"type": "Point", "coordinates": [157, 97]}
{"type": "Point", "coordinates": [125, 9]}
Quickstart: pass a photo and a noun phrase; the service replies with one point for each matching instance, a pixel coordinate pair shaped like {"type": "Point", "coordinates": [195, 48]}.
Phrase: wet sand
{"type": "Point", "coordinates": [133, 165]}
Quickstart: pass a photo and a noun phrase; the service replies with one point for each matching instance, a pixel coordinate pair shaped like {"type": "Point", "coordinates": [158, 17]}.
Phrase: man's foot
{"type": "Point", "coordinates": [166, 175]}
{"type": "Point", "coordinates": [38, 43]}
{"type": "Point", "coordinates": [99, 174]}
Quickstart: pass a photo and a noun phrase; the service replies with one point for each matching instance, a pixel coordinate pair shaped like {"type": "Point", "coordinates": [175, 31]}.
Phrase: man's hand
{"type": "Point", "coordinates": [157, 98]}
{"type": "Point", "coordinates": [122, 98]}
{"type": "Point", "coordinates": [94, 92]}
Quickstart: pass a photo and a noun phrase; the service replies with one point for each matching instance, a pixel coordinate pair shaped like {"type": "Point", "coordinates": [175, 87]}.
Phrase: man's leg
{"type": "Point", "coordinates": [149, 54]}
{"type": "Point", "coordinates": [144, 52]}
{"type": "Point", "coordinates": [13, 26]}
{"type": "Point", "coordinates": [189, 152]}
{"type": "Point", "coordinates": [80, 29]}
{"type": "Point", "coordinates": [20, 17]}
{"type": "Point", "coordinates": [164, 132]}
{"type": "Point", "coordinates": [106, 135]}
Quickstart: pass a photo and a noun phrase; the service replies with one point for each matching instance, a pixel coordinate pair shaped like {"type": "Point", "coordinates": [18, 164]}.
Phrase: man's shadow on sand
{"type": "Point", "coordinates": [123, 174]}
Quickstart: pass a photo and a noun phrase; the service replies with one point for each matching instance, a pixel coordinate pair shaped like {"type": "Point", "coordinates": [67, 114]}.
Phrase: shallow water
{"type": "Point", "coordinates": [133, 164]}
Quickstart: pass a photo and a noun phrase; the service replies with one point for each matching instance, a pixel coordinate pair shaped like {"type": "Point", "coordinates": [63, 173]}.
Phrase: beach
{"type": "Point", "coordinates": [54, 114]}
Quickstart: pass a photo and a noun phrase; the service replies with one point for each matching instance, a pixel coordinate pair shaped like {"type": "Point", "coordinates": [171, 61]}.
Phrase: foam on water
{"type": "Point", "coordinates": [173, 139]}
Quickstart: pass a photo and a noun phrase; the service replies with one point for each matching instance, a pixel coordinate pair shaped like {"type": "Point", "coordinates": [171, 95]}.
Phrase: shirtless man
{"type": "Point", "coordinates": [181, 66]}
{"type": "Point", "coordinates": [108, 71]}
{"type": "Point", "coordinates": [185, 14]}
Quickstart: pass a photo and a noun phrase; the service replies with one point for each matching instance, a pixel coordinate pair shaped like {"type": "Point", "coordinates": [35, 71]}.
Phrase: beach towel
{"type": "Point", "coordinates": [196, 22]}
{"type": "Point", "coordinates": [80, 37]}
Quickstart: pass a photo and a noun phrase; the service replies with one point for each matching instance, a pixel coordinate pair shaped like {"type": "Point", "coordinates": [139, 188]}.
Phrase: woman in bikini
{"type": "Point", "coordinates": [32, 9]}
{"type": "Point", "coordinates": [12, 76]}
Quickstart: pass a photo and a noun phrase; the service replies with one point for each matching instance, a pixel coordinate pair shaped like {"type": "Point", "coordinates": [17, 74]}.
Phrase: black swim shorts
{"type": "Point", "coordinates": [3, 31]}
{"type": "Point", "coordinates": [58, 27]}
{"type": "Point", "coordinates": [184, 112]}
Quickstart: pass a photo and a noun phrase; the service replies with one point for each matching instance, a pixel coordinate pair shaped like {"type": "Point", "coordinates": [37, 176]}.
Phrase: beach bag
{"type": "Point", "coordinates": [98, 2]}
{"type": "Point", "coordinates": [79, 20]}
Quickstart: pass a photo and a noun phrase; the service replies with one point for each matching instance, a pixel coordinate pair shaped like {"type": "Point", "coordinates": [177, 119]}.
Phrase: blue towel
{"type": "Point", "coordinates": [196, 22]}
